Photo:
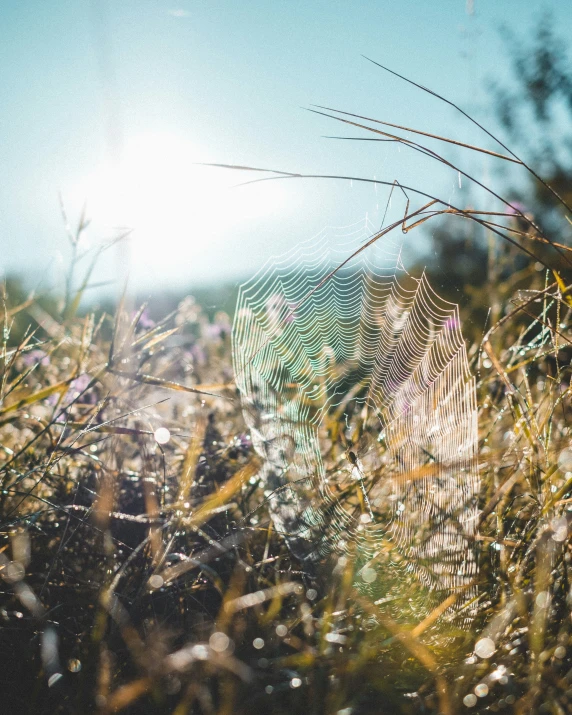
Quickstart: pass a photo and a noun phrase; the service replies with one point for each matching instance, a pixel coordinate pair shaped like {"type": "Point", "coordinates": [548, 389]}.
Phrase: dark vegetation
{"type": "Point", "coordinates": [142, 574]}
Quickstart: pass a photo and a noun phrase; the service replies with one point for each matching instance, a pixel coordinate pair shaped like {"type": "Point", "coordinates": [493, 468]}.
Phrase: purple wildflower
{"type": "Point", "coordinates": [212, 331]}
{"type": "Point", "coordinates": [219, 329]}
{"type": "Point", "coordinates": [76, 392]}
{"type": "Point", "coordinates": [77, 387]}
{"type": "Point", "coordinates": [34, 357]}
{"type": "Point", "coordinates": [244, 441]}
{"type": "Point", "coordinates": [144, 321]}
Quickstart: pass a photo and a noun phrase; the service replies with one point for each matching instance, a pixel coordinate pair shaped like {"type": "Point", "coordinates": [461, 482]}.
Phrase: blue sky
{"type": "Point", "coordinates": [115, 101]}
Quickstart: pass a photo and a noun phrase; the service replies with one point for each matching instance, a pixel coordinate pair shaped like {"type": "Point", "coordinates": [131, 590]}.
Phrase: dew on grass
{"type": "Point", "coordinates": [485, 647]}
{"type": "Point", "coordinates": [162, 435]}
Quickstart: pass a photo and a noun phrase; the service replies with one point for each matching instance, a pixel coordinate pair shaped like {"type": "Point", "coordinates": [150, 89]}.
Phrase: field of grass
{"type": "Point", "coordinates": [140, 569]}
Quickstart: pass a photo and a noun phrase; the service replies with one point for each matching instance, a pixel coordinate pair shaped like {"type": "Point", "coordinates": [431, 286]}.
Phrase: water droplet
{"type": "Point", "coordinates": [559, 525]}
{"type": "Point", "coordinates": [482, 690]}
{"type": "Point", "coordinates": [470, 700]}
{"type": "Point", "coordinates": [14, 572]}
{"type": "Point", "coordinates": [258, 643]}
{"type": "Point", "coordinates": [281, 630]}
{"type": "Point", "coordinates": [485, 647]}
{"type": "Point", "coordinates": [295, 683]}
{"type": "Point", "coordinates": [200, 652]}
{"type": "Point", "coordinates": [335, 638]}
{"type": "Point", "coordinates": [156, 581]}
{"type": "Point", "coordinates": [499, 673]}
{"type": "Point", "coordinates": [162, 435]}
{"type": "Point", "coordinates": [368, 575]}
{"type": "Point", "coordinates": [219, 642]}
{"type": "Point", "coordinates": [74, 665]}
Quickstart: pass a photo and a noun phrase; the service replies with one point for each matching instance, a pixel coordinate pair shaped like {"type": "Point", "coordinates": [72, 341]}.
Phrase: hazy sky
{"type": "Point", "coordinates": [114, 101]}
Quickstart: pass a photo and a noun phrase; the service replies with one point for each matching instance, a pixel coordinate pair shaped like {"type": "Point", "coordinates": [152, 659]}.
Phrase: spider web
{"type": "Point", "coordinates": [359, 398]}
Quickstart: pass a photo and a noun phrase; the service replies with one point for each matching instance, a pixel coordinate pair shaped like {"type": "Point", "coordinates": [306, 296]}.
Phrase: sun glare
{"type": "Point", "coordinates": [174, 206]}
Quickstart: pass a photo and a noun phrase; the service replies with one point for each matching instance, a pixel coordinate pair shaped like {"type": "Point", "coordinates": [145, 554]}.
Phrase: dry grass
{"type": "Point", "coordinates": [145, 577]}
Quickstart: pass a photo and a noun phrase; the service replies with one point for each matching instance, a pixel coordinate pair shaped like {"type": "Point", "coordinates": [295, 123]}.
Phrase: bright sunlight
{"type": "Point", "coordinates": [172, 203]}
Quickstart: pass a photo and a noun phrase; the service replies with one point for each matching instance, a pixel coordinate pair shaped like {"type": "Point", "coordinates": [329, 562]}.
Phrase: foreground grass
{"type": "Point", "coordinates": [141, 572]}
{"type": "Point", "coordinates": [140, 569]}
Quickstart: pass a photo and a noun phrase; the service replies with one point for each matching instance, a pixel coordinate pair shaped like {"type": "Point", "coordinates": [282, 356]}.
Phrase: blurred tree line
{"type": "Point", "coordinates": [469, 264]}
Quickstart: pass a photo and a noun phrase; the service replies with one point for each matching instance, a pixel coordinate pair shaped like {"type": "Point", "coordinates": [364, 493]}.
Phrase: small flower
{"type": "Point", "coordinates": [34, 357]}
{"type": "Point", "coordinates": [212, 331]}
{"type": "Point", "coordinates": [77, 391]}
{"type": "Point", "coordinates": [244, 441]}
{"type": "Point", "coordinates": [145, 321]}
